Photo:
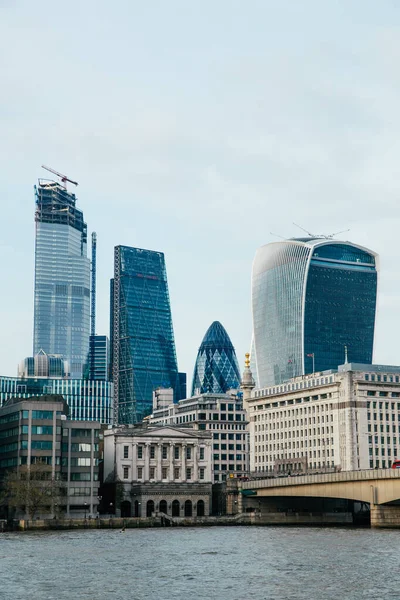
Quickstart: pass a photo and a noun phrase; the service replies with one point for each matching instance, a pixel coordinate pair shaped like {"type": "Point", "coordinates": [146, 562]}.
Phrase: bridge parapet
{"type": "Point", "coordinates": [322, 478]}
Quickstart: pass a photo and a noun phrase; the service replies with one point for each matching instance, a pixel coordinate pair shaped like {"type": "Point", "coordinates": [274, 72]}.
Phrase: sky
{"type": "Point", "coordinates": [202, 130]}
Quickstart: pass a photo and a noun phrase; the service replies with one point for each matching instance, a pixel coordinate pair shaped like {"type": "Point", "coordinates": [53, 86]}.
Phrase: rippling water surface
{"type": "Point", "coordinates": [225, 563]}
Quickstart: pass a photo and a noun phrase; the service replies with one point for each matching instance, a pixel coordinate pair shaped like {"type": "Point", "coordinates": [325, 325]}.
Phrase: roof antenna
{"type": "Point", "coordinates": [305, 230]}
{"type": "Point", "coordinates": [276, 235]}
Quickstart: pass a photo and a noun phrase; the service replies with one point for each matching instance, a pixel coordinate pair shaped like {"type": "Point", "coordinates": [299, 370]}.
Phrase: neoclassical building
{"type": "Point", "coordinates": [157, 469]}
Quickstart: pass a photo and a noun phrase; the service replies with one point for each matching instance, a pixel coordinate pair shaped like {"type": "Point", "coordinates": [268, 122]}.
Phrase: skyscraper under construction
{"type": "Point", "coordinates": [62, 277]}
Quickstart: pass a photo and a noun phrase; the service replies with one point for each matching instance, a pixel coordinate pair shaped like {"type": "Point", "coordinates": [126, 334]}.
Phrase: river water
{"type": "Point", "coordinates": [222, 563]}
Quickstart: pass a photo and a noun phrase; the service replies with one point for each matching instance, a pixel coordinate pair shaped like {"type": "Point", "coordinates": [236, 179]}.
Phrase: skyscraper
{"type": "Point", "coordinates": [143, 346]}
{"type": "Point", "coordinates": [216, 369]}
{"type": "Point", "coordinates": [314, 303]}
{"type": "Point", "coordinates": [62, 277]}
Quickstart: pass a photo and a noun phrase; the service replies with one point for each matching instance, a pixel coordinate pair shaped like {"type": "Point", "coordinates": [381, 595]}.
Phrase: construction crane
{"type": "Point", "coordinates": [63, 178]}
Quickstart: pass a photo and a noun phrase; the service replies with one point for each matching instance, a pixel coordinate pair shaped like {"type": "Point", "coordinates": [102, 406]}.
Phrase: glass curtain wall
{"type": "Point", "coordinates": [144, 356]}
{"type": "Point", "coordinates": [62, 277]}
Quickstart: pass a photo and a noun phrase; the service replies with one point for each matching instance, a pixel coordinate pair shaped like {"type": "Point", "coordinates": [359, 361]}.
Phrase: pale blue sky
{"type": "Point", "coordinates": [197, 128]}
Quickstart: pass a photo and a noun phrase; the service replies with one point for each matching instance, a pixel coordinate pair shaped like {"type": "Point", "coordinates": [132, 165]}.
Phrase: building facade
{"type": "Point", "coordinates": [345, 420]}
{"type": "Point", "coordinates": [36, 431]}
{"type": "Point", "coordinates": [159, 470]}
{"type": "Point", "coordinates": [98, 367]}
{"type": "Point", "coordinates": [224, 417]}
{"type": "Point", "coordinates": [143, 345]}
{"type": "Point", "coordinates": [313, 300]}
{"type": "Point", "coordinates": [62, 277]}
{"type": "Point", "coordinates": [87, 400]}
{"type": "Point", "coordinates": [216, 370]}
{"type": "Point", "coordinates": [43, 365]}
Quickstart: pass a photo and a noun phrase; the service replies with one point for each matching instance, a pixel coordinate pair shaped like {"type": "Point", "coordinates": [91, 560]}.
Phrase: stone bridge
{"type": "Point", "coordinates": [380, 488]}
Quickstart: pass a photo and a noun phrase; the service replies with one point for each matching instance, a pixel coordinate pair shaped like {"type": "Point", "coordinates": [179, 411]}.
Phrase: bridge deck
{"type": "Point", "coordinates": [323, 478]}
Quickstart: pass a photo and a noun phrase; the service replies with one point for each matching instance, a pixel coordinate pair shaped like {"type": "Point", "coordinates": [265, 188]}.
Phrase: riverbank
{"type": "Point", "coordinates": [270, 519]}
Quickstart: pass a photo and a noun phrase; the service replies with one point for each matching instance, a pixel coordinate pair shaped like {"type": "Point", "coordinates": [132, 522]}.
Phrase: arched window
{"type": "Point", "coordinates": [175, 508]}
{"type": "Point", "coordinates": [149, 508]}
{"type": "Point", "coordinates": [188, 508]}
{"type": "Point", "coordinates": [200, 508]}
{"type": "Point", "coordinates": [163, 506]}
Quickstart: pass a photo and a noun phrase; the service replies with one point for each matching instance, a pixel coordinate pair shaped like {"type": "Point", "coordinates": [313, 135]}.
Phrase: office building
{"type": "Point", "coordinates": [87, 400]}
{"type": "Point", "coordinates": [62, 277]}
{"type": "Point", "coordinates": [340, 420]}
{"type": "Point", "coordinates": [313, 304]}
{"type": "Point", "coordinates": [161, 470]}
{"type": "Point", "coordinates": [220, 414]}
{"type": "Point", "coordinates": [216, 370]}
{"type": "Point", "coordinates": [36, 431]}
{"type": "Point", "coordinates": [43, 365]}
{"type": "Point", "coordinates": [143, 346]}
{"type": "Point", "coordinates": [98, 367]}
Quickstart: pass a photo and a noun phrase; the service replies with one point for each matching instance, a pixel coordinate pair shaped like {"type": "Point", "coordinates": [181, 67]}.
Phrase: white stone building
{"type": "Point", "coordinates": [348, 420]}
{"type": "Point", "coordinates": [165, 469]}
{"type": "Point", "coordinates": [220, 414]}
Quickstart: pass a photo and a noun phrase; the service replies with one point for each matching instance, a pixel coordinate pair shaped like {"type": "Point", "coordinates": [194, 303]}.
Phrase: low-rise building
{"type": "Point", "coordinates": [347, 419]}
{"type": "Point", "coordinates": [220, 414]}
{"type": "Point", "coordinates": [157, 469]}
{"type": "Point", "coordinates": [36, 431]}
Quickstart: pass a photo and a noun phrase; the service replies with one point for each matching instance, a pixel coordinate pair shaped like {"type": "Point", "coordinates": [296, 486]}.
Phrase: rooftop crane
{"type": "Point", "coordinates": [63, 178]}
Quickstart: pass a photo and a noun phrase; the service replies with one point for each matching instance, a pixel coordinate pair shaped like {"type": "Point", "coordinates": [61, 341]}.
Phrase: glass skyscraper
{"type": "Point", "coordinates": [216, 369]}
{"type": "Point", "coordinates": [143, 346]}
{"type": "Point", "coordinates": [314, 304]}
{"type": "Point", "coordinates": [62, 277]}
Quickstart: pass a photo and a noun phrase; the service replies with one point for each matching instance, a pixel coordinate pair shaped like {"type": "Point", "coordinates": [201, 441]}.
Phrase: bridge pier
{"type": "Point", "coordinates": [385, 516]}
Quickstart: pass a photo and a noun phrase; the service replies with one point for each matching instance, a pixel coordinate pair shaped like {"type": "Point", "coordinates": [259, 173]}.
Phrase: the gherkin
{"type": "Point", "coordinates": [216, 369]}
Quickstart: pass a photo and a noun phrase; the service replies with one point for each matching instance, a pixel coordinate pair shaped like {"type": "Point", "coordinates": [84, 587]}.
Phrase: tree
{"type": "Point", "coordinates": [32, 489]}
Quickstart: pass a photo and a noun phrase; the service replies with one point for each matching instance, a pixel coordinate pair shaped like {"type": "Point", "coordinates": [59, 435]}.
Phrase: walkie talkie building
{"type": "Point", "coordinates": [313, 301]}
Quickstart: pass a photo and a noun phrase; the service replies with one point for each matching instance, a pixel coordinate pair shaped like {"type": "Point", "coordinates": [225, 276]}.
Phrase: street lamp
{"type": "Point", "coordinates": [111, 508]}
{"type": "Point", "coordinates": [85, 504]}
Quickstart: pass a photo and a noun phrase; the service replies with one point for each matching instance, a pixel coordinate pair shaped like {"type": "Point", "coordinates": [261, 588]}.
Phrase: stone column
{"type": "Point", "coordinates": [159, 462]}
{"type": "Point", "coordinates": [183, 463]}
{"type": "Point", "coordinates": [147, 461]}
{"type": "Point", "coordinates": [171, 461]}
{"type": "Point", "coordinates": [134, 461]}
{"type": "Point", "coordinates": [195, 476]}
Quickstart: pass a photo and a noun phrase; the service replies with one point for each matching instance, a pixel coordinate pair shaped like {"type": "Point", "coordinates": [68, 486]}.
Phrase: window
{"type": "Point", "coordinates": [79, 447]}
{"type": "Point", "coordinates": [164, 453]}
{"type": "Point", "coordinates": [152, 472]}
{"type": "Point", "coordinates": [81, 432]}
{"type": "Point", "coordinates": [126, 472]}
{"type": "Point", "coordinates": [188, 473]}
{"type": "Point", "coordinates": [188, 452]}
{"type": "Point", "coordinates": [201, 453]}
{"type": "Point", "coordinates": [201, 473]}
{"type": "Point", "coordinates": [140, 452]}
{"type": "Point", "coordinates": [152, 451]}
{"type": "Point", "coordinates": [42, 414]}
{"type": "Point", "coordinates": [36, 445]}
{"type": "Point", "coordinates": [41, 429]}
{"type": "Point", "coordinates": [126, 453]}
{"type": "Point", "coordinates": [176, 473]}
{"type": "Point", "coordinates": [80, 477]}
{"type": "Point", "coordinates": [139, 472]}
{"type": "Point", "coordinates": [176, 453]}
{"type": "Point", "coordinates": [164, 473]}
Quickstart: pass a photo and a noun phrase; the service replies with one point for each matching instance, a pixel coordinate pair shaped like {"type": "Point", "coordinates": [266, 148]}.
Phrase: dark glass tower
{"type": "Point", "coordinates": [314, 303]}
{"type": "Point", "coordinates": [143, 346]}
{"type": "Point", "coordinates": [62, 277]}
{"type": "Point", "coordinates": [216, 369]}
